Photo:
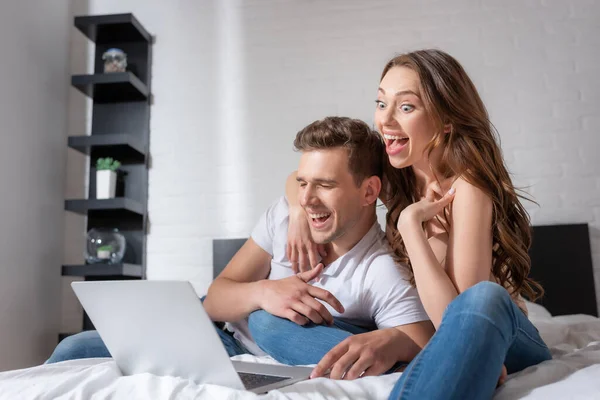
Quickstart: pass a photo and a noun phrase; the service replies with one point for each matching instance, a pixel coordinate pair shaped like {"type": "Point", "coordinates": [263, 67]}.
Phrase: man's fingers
{"type": "Point", "coordinates": [295, 317]}
{"type": "Point", "coordinates": [308, 312]}
{"type": "Point", "coordinates": [343, 364]}
{"type": "Point", "coordinates": [326, 297]}
{"type": "Point", "coordinates": [328, 360]}
{"type": "Point", "coordinates": [359, 366]}
{"type": "Point", "coordinates": [320, 308]}
{"type": "Point", "coordinates": [311, 274]}
{"type": "Point", "coordinates": [373, 371]}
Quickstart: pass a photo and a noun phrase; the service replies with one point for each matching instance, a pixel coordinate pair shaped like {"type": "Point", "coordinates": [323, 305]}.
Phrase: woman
{"type": "Point", "coordinates": [455, 219]}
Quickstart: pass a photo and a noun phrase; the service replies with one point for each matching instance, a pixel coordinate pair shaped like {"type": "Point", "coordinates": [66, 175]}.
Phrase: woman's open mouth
{"type": "Point", "coordinates": [394, 144]}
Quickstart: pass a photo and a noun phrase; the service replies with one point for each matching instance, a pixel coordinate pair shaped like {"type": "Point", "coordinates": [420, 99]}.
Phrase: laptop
{"type": "Point", "coordinates": [161, 327]}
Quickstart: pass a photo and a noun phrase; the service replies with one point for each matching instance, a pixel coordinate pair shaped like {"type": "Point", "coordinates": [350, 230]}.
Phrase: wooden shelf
{"type": "Point", "coordinates": [130, 270]}
{"type": "Point", "coordinates": [83, 206]}
{"type": "Point", "coordinates": [112, 28]}
{"type": "Point", "coordinates": [112, 87]}
{"type": "Point", "coordinates": [124, 147]}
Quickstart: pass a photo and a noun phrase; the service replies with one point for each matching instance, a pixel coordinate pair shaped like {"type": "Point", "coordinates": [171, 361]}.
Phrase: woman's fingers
{"type": "Point", "coordinates": [302, 263]}
{"type": "Point", "coordinates": [321, 250]}
{"type": "Point", "coordinates": [294, 259]}
{"type": "Point", "coordinates": [444, 201]}
{"type": "Point", "coordinates": [313, 256]}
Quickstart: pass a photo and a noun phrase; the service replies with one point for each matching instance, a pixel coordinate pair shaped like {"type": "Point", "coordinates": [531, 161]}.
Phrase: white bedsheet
{"type": "Point", "coordinates": [574, 373]}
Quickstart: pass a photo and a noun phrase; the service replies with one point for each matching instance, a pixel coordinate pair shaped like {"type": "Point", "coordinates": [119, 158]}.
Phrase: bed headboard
{"type": "Point", "coordinates": [560, 260]}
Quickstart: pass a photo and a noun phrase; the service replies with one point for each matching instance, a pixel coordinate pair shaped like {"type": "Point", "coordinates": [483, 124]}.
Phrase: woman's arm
{"type": "Point", "coordinates": [302, 252]}
{"type": "Point", "coordinates": [469, 254]}
{"type": "Point", "coordinates": [436, 290]}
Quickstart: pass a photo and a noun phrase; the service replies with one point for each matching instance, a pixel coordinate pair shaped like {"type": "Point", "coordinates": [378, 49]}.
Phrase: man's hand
{"type": "Point", "coordinates": [293, 298]}
{"type": "Point", "coordinates": [366, 354]}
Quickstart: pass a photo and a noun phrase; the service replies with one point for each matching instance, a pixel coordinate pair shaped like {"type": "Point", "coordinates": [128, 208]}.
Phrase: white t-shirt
{"type": "Point", "coordinates": [374, 291]}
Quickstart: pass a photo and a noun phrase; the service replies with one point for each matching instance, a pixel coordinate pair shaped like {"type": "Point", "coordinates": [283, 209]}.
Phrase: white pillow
{"type": "Point", "coordinates": [537, 311]}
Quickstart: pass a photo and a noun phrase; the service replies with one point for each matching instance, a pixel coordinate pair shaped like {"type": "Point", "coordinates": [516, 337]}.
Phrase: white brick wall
{"type": "Point", "coordinates": [235, 80]}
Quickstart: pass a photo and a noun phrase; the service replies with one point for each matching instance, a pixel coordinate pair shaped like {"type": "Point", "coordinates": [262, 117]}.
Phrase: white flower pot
{"type": "Point", "coordinates": [106, 182]}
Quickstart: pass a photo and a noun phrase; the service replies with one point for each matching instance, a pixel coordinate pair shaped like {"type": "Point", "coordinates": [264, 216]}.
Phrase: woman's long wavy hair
{"type": "Point", "coordinates": [469, 150]}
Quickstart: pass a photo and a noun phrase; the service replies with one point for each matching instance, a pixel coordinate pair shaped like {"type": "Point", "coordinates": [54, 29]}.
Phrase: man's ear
{"type": "Point", "coordinates": [372, 187]}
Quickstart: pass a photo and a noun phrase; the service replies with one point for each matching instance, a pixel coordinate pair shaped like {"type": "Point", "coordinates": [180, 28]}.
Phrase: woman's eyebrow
{"type": "Point", "coordinates": [401, 92]}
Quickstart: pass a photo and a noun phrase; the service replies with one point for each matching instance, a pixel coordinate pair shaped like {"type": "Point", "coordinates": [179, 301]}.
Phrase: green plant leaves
{"type": "Point", "coordinates": [107, 164]}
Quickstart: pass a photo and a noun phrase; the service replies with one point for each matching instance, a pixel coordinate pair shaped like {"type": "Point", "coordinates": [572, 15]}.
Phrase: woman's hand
{"type": "Point", "coordinates": [425, 209]}
{"type": "Point", "coordinates": [302, 252]}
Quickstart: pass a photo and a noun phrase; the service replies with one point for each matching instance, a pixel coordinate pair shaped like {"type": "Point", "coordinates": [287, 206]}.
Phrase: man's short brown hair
{"type": "Point", "coordinates": [365, 146]}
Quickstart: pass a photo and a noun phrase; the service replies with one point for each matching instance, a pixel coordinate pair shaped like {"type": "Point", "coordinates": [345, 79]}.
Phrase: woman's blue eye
{"type": "Point", "coordinates": [380, 104]}
{"type": "Point", "coordinates": [407, 107]}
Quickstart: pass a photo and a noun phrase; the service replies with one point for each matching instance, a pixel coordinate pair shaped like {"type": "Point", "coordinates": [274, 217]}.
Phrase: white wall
{"type": "Point", "coordinates": [34, 39]}
{"type": "Point", "coordinates": [235, 80]}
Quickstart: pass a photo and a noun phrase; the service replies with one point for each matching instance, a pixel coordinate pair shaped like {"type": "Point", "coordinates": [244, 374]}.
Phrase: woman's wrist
{"type": "Point", "coordinates": [296, 211]}
{"type": "Point", "coordinates": [408, 223]}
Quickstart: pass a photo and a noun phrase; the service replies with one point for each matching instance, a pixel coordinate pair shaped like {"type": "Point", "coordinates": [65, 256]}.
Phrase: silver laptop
{"type": "Point", "coordinates": [160, 327]}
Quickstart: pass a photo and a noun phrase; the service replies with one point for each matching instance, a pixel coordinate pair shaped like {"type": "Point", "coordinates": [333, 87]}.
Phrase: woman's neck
{"type": "Point", "coordinates": [428, 176]}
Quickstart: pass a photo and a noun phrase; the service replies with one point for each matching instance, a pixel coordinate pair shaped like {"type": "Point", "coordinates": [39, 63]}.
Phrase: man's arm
{"type": "Point", "coordinates": [242, 288]}
{"type": "Point", "coordinates": [415, 337]}
{"type": "Point", "coordinates": [236, 292]}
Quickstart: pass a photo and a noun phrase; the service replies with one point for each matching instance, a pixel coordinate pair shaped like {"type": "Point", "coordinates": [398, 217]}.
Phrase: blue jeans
{"type": "Point", "coordinates": [294, 344]}
{"type": "Point", "coordinates": [88, 344]}
{"type": "Point", "coordinates": [481, 330]}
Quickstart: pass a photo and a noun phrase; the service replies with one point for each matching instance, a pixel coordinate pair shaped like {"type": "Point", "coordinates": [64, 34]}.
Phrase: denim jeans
{"type": "Point", "coordinates": [294, 344]}
{"type": "Point", "coordinates": [88, 344]}
{"type": "Point", "coordinates": [481, 330]}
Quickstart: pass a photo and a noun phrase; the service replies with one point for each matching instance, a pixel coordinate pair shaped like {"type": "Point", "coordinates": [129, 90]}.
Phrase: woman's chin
{"type": "Point", "coordinates": [399, 162]}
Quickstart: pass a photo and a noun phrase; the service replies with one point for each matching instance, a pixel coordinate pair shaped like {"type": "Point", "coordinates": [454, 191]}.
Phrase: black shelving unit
{"type": "Point", "coordinates": [127, 148]}
{"type": "Point", "coordinates": [121, 130]}
{"type": "Point", "coordinates": [83, 207]}
{"type": "Point", "coordinates": [121, 269]}
{"type": "Point", "coordinates": [111, 88]}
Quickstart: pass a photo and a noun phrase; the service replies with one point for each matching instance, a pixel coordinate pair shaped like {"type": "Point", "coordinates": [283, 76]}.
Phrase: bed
{"type": "Point", "coordinates": [574, 339]}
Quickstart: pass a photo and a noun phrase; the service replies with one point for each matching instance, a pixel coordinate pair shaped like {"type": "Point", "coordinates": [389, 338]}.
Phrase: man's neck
{"type": "Point", "coordinates": [348, 240]}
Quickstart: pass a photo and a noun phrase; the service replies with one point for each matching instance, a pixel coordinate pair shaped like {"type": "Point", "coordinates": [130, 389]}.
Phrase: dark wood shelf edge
{"type": "Point", "coordinates": [83, 142]}
{"type": "Point", "coordinates": [84, 21]}
{"type": "Point", "coordinates": [110, 78]}
{"type": "Point", "coordinates": [123, 269]}
{"type": "Point", "coordinates": [82, 206]}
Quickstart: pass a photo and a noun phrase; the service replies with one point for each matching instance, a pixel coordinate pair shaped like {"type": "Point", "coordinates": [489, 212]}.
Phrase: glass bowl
{"type": "Point", "coordinates": [104, 246]}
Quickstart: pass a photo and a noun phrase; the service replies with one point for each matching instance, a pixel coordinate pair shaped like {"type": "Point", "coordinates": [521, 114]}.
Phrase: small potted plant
{"type": "Point", "coordinates": [106, 177]}
{"type": "Point", "coordinates": [104, 252]}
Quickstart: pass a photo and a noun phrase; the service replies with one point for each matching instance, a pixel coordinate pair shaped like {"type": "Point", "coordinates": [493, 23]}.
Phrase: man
{"type": "Point", "coordinates": [325, 315]}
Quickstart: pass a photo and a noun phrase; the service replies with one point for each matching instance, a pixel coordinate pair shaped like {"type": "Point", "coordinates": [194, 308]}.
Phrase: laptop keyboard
{"type": "Point", "coordinates": [252, 381]}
